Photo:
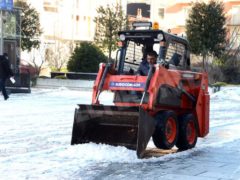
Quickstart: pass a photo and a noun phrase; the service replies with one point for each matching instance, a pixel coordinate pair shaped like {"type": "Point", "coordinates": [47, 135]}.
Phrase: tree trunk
{"type": "Point", "coordinates": [110, 52]}
{"type": "Point", "coordinates": [203, 62]}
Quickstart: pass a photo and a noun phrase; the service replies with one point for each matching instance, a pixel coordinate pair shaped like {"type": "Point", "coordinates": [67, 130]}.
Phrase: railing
{"type": "Point", "coordinates": [75, 75]}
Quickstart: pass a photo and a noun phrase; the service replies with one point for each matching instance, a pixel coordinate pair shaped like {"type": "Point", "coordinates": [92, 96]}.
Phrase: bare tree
{"type": "Point", "coordinates": [233, 46]}
{"type": "Point", "coordinates": [37, 59]}
{"type": "Point", "coordinates": [109, 21]}
{"type": "Point", "coordinates": [58, 54]}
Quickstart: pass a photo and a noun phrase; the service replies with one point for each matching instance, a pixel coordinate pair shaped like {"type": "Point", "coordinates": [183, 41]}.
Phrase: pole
{"type": "Point", "coordinates": [1, 28]}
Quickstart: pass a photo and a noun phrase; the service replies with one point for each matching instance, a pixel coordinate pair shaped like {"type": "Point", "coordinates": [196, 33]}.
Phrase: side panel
{"type": "Point", "coordinates": [162, 76]}
{"type": "Point", "coordinates": [206, 114]}
{"type": "Point", "coordinates": [169, 96]}
{"type": "Point", "coordinates": [202, 108]}
{"type": "Point", "coordinates": [97, 82]}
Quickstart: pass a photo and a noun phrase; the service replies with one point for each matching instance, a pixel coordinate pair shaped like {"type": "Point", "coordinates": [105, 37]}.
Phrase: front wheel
{"type": "Point", "coordinates": [166, 132]}
{"type": "Point", "coordinates": [187, 132]}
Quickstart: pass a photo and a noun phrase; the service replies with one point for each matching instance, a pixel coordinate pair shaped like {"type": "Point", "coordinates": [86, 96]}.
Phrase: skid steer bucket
{"type": "Point", "coordinates": [131, 127]}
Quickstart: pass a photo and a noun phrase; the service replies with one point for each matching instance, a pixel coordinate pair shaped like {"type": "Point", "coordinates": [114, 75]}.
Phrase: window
{"type": "Point", "coordinates": [77, 4]}
{"type": "Point", "coordinates": [134, 56]}
{"type": "Point", "coordinates": [136, 53]}
{"type": "Point", "coordinates": [89, 26]}
{"type": "Point", "coordinates": [235, 15]}
{"type": "Point", "coordinates": [182, 16]}
{"type": "Point", "coordinates": [175, 49]}
{"type": "Point", "coordinates": [50, 6]}
{"type": "Point", "coordinates": [10, 26]}
{"type": "Point", "coordinates": [161, 12]}
{"type": "Point", "coordinates": [234, 38]}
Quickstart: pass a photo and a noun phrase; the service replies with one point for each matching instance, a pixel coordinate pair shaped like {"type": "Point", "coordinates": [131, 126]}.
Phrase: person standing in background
{"type": "Point", "coordinates": [5, 73]}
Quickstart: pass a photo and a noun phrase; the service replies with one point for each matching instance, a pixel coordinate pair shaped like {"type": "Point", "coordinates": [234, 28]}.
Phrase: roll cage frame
{"type": "Point", "coordinates": [148, 38]}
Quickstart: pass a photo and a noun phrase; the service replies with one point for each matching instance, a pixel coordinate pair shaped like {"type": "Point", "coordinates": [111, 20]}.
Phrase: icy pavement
{"type": "Point", "coordinates": [35, 134]}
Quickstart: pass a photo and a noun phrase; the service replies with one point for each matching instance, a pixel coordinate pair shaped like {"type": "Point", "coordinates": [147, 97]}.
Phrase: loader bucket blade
{"type": "Point", "coordinates": [146, 128]}
{"type": "Point", "coordinates": [114, 125]}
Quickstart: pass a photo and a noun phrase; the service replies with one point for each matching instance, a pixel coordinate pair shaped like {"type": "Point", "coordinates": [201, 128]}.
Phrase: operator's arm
{"type": "Point", "coordinates": [143, 68]}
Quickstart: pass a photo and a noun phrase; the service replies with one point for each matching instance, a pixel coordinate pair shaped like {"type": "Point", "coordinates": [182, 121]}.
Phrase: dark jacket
{"type": "Point", "coordinates": [5, 70]}
{"type": "Point", "coordinates": [143, 68]}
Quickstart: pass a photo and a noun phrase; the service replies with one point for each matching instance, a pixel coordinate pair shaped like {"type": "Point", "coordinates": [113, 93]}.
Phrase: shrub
{"type": "Point", "coordinates": [231, 70]}
{"type": "Point", "coordinates": [219, 84]}
{"type": "Point", "coordinates": [60, 77]}
{"type": "Point", "coordinates": [86, 58]}
{"type": "Point", "coordinates": [215, 73]}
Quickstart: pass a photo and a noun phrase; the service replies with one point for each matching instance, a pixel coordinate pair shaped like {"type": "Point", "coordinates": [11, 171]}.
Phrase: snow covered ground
{"type": "Point", "coordinates": [35, 134]}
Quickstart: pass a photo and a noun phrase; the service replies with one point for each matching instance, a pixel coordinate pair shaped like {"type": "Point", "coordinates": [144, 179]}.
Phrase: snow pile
{"type": "Point", "coordinates": [229, 93]}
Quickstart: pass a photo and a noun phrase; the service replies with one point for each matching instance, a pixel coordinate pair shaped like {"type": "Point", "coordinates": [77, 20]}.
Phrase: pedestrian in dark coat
{"type": "Point", "coordinates": [5, 73]}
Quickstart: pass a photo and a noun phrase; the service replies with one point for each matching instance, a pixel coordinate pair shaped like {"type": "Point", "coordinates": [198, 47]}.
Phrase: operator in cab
{"type": "Point", "coordinates": [145, 64]}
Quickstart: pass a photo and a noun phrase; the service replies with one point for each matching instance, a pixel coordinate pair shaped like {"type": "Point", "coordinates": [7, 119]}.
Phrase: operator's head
{"type": "Point", "coordinates": [152, 57]}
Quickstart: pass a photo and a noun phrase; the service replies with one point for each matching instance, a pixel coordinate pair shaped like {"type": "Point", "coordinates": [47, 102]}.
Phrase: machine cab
{"type": "Point", "coordinates": [136, 43]}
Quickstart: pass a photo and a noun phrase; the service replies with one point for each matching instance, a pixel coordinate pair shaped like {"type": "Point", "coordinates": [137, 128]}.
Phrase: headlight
{"type": "Point", "coordinates": [122, 37]}
{"type": "Point", "coordinates": [160, 37]}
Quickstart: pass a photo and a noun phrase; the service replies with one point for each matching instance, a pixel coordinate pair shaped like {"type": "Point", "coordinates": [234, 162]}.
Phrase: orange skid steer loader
{"type": "Point", "coordinates": [170, 104]}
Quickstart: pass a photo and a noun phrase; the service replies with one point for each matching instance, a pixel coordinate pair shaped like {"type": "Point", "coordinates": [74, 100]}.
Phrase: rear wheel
{"type": "Point", "coordinates": [188, 134]}
{"type": "Point", "coordinates": [166, 132]}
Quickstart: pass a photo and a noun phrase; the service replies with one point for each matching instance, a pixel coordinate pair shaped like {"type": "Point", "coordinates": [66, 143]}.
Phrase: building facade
{"type": "Point", "coordinates": [66, 22]}
{"type": "Point", "coordinates": [71, 20]}
{"type": "Point", "coordinates": [172, 16]}
{"type": "Point", "coordinates": [10, 33]}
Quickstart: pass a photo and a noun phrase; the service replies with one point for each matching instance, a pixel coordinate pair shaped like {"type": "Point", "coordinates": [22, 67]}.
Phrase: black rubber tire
{"type": "Point", "coordinates": [188, 133]}
{"type": "Point", "coordinates": [166, 132]}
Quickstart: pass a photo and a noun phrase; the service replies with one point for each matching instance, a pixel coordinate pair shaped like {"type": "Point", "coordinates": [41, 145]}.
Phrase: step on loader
{"type": "Point", "coordinates": [170, 103]}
